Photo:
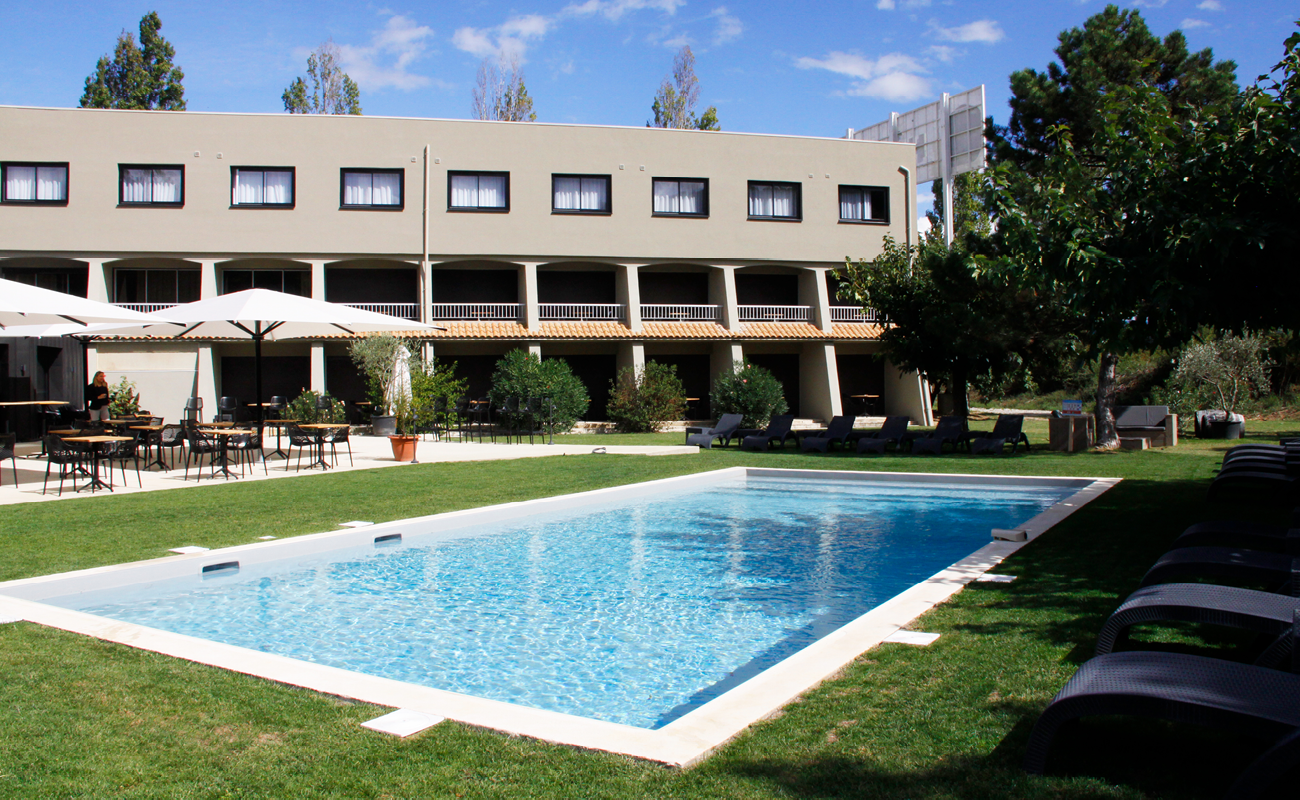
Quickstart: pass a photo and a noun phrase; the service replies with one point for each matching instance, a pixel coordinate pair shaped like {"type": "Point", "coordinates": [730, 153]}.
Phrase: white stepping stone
{"type": "Point", "coordinates": [913, 637]}
{"type": "Point", "coordinates": [989, 577]}
{"type": "Point", "coordinates": [185, 551]}
{"type": "Point", "coordinates": [356, 523]}
{"type": "Point", "coordinates": [403, 722]}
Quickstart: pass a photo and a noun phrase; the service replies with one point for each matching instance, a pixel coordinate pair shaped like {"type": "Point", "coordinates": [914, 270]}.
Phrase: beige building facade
{"type": "Point", "coordinates": [604, 246]}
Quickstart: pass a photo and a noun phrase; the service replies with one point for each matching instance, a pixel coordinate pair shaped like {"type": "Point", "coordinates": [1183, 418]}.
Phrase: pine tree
{"type": "Point", "coordinates": [138, 76]}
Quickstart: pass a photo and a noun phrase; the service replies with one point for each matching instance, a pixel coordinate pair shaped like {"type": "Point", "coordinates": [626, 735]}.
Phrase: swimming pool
{"type": "Point", "coordinates": [641, 606]}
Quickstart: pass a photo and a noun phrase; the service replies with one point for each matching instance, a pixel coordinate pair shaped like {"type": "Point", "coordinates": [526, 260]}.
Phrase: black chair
{"type": "Point", "coordinates": [200, 444]}
{"type": "Point", "coordinates": [170, 438]}
{"type": "Point", "coordinates": [121, 452]}
{"type": "Point", "coordinates": [246, 446]}
{"type": "Point", "coordinates": [325, 408]}
{"type": "Point", "coordinates": [8, 449]}
{"type": "Point", "coordinates": [481, 417]}
{"type": "Point", "coordinates": [69, 456]}
{"type": "Point", "coordinates": [508, 418]}
{"type": "Point", "coordinates": [226, 407]}
{"type": "Point", "coordinates": [193, 409]}
{"type": "Point", "coordinates": [335, 437]}
{"type": "Point", "coordinates": [277, 407]}
{"type": "Point", "coordinates": [301, 439]}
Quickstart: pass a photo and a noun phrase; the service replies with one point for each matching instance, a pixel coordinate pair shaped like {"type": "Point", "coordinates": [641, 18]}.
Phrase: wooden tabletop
{"type": "Point", "coordinates": [97, 439]}
{"type": "Point", "coordinates": [34, 403]}
{"type": "Point", "coordinates": [324, 425]}
{"type": "Point", "coordinates": [278, 421]}
{"type": "Point", "coordinates": [231, 431]}
{"type": "Point", "coordinates": [147, 427]}
{"type": "Point", "coordinates": [65, 431]}
{"type": "Point", "coordinates": [216, 425]}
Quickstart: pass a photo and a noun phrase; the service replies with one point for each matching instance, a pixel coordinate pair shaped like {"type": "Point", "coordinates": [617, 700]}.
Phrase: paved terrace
{"type": "Point", "coordinates": [368, 452]}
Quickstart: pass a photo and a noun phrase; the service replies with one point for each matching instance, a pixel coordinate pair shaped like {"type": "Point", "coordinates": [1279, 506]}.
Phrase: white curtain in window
{"type": "Point", "coordinates": [166, 186]}
{"type": "Point", "coordinates": [783, 201]}
{"type": "Point", "coordinates": [357, 189]}
{"type": "Point", "coordinates": [666, 200]}
{"type": "Point", "coordinates": [567, 194]}
{"type": "Point", "coordinates": [594, 194]}
{"type": "Point", "coordinates": [388, 189]}
{"type": "Point", "coordinates": [491, 191]}
{"type": "Point", "coordinates": [464, 191]}
{"type": "Point", "coordinates": [279, 188]}
{"type": "Point", "coordinates": [248, 187]}
{"type": "Point", "coordinates": [51, 183]}
{"type": "Point", "coordinates": [760, 201]}
{"type": "Point", "coordinates": [20, 183]}
{"type": "Point", "coordinates": [136, 184]}
{"type": "Point", "coordinates": [691, 197]}
{"type": "Point", "coordinates": [853, 204]}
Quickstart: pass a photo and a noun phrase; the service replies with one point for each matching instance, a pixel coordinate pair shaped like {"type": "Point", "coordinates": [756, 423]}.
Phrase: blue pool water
{"type": "Point", "coordinates": [635, 613]}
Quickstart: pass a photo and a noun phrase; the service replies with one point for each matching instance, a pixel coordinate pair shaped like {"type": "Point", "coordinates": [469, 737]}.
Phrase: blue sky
{"type": "Point", "coordinates": [806, 68]}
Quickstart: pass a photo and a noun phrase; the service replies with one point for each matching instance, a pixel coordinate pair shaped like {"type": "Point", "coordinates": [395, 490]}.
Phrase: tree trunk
{"type": "Point", "coordinates": [1107, 438]}
{"type": "Point", "coordinates": [960, 392]}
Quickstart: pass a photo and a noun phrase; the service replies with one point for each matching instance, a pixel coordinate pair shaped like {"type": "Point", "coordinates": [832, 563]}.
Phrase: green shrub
{"type": "Point", "coordinates": [303, 409]}
{"type": "Point", "coordinates": [522, 375]}
{"type": "Point", "coordinates": [124, 400]}
{"type": "Point", "coordinates": [748, 390]}
{"type": "Point", "coordinates": [1220, 373]}
{"type": "Point", "coordinates": [429, 381]}
{"type": "Point", "coordinates": [377, 356]}
{"type": "Point", "coordinates": [641, 402]}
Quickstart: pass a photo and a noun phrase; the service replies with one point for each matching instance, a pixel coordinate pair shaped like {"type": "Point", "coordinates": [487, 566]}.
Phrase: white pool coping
{"type": "Point", "coordinates": [681, 742]}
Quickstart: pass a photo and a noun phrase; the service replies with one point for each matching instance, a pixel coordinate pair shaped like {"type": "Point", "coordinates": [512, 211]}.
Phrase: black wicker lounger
{"type": "Point", "coordinates": [726, 428]}
{"type": "Point", "coordinates": [1236, 533]}
{"type": "Point", "coordinates": [1242, 698]}
{"type": "Point", "coordinates": [894, 430]}
{"type": "Point", "coordinates": [778, 430]}
{"type": "Point", "coordinates": [838, 432]}
{"type": "Point", "coordinates": [1274, 570]}
{"type": "Point", "coordinates": [1281, 485]}
{"type": "Point", "coordinates": [1263, 612]}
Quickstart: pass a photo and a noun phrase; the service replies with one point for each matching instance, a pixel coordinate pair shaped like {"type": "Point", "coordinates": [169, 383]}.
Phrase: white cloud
{"type": "Point", "coordinates": [892, 76]}
{"type": "Point", "coordinates": [1190, 23]}
{"type": "Point", "coordinates": [506, 41]}
{"type": "Point", "coordinates": [729, 26]}
{"type": "Point", "coordinates": [1210, 5]}
{"type": "Point", "coordinates": [890, 5]}
{"type": "Point", "coordinates": [614, 9]}
{"type": "Point", "coordinates": [392, 49]}
{"type": "Point", "coordinates": [894, 86]}
{"type": "Point", "coordinates": [1150, 3]}
{"type": "Point", "coordinates": [941, 52]}
{"type": "Point", "coordinates": [983, 30]}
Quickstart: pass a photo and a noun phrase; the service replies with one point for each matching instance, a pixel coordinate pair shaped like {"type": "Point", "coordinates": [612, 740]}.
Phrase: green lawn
{"type": "Point", "coordinates": [85, 718]}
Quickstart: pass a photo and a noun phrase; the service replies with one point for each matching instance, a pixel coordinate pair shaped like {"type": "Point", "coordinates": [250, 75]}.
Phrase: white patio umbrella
{"type": "Point", "coordinates": [261, 314]}
{"type": "Point", "coordinates": [22, 304]}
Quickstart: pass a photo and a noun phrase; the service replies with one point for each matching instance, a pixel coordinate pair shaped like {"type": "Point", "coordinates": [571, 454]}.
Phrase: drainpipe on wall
{"type": "Point", "coordinates": [425, 293]}
{"type": "Point", "coordinates": [907, 204]}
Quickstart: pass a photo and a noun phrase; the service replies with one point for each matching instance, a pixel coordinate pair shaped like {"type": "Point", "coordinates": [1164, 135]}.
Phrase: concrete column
{"type": "Point", "coordinates": [723, 356]}
{"type": "Point", "coordinates": [318, 368]}
{"type": "Point", "coordinates": [819, 381]}
{"type": "Point", "coordinates": [205, 380]}
{"type": "Point", "coordinates": [426, 290]}
{"type": "Point", "coordinates": [534, 348]}
{"type": "Point", "coordinates": [208, 280]}
{"type": "Point", "coordinates": [627, 286]}
{"type": "Point", "coordinates": [530, 316]}
{"type": "Point", "coordinates": [813, 293]}
{"type": "Point", "coordinates": [317, 280]}
{"type": "Point", "coordinates": [906, 393]}
{"type": "Point", "coordinates": [631, 354]}
{"type": "Point", "coordinates": [722, 292]}
{"type": "Point", "coordinates": [92, 361]}
{"type": "Point", "coordinates": [97, 281]}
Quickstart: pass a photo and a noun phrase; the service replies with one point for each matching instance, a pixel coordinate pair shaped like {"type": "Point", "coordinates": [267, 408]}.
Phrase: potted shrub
{"type": "Point", "coordinates": [1227, 369]}
{"type": "Point", "coordinates": [378, 356]}
{"type": "Point", "coordinates": [403, 438]}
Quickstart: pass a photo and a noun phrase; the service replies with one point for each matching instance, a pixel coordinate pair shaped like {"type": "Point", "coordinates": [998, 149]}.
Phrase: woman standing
{"type": "Point", "coordinates": [98, 397]}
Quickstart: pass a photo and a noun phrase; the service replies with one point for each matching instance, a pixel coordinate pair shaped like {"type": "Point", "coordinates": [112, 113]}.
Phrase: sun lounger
{"type": "Point", "coordinates": [1273, 570]}
{"type": "Point", "coordinates": [948, 431]}
{"type": "Point", "coordinates": [726, 428]}
{"type": "Point", "coordinates": [1008, 428]}
{"type": "Point", "coordinates": [1236, 533]}
{"type": "Point", "coordinates": [778, 430]}
{"type": "Point", "coordinates": [1240, 698]}
{"type": "Point", "coordinates": [1245, 609]}
{"type": "Point", "coordinates": [893, 431]}
{"type": "Point", "coordinates": [838, 432]}
{"type": "Point", "coordinates": [1267, 484]}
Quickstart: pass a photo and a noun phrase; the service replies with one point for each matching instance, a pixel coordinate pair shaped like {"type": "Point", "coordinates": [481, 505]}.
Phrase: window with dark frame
{"type": "Point", "coordinates": [580, 194]}
{"type": "Point", "coordinates": [289, 281]}
{"type": "Point", "coordinates": [478, 191]}
{"type": "Point", "coordinates": [681, 197]}
{"type": "Point", "coordinates": [34, 183]}
{"type": "Point", "coordinates": [372, 188]}
{"type": "Point", "coordinates": [775, 200]}
{"type": "Point", "coordinates": [155, 285]}
{"type": "Point", "coordinates": [151, 185]}
{"type": "Point", "coordinates": [262, 187]}
{"type": "Point", "coordinates": [864, 204]}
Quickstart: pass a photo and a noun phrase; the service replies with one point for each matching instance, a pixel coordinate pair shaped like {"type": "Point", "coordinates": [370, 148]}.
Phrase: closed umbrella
{"type": "Point", "coordinates": [22, 304]}
{"type": "Point", "coordinates": [262, 314]}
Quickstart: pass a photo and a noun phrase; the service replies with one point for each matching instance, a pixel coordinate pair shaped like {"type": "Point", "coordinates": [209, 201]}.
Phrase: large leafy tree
{"type": "Point", "coordinates": [500, 94]}
{"type": "Point", "coordinates": [1113, 49]}
{"type": "Point", "coordinates": [1172, 219]}
{"type": "Point", "coordinates": [331, 91]}
{"type": "Point", "coordinates": [137, 76]}
{"type": "Point", "coordinates": [674, 104]}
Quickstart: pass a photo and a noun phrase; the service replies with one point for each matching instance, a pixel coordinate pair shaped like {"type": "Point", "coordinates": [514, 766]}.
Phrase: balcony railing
{"type": "Point", "coordinates": [852, 314]}
{"type": "Point", "coordinates": [655, 312]}
{"type": "Point", "coordinates": [609, 312]}
{"type": "Point", "coordinates": [450, 312]}
{"type": "Point", "coordinates": [409, 311]}
{"type": "Point", "coordinates": [774, 313]}
{"type": "Point", "coordinates": [145, 308]}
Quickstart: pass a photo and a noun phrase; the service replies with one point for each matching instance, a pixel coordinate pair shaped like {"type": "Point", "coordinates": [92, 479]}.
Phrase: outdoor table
{"type": "Point", "coordinates": [96, 451]}
{"type": "Point", "coordinates": [866, 401]}
{"type": "Point", "coordinates": [319, 429]}
{"type": "Point", "coordinates": [153, 436]}
{"type": "Point", "coordinates": [278, 424]}
{"type": "Point", "coordinates": [44, 420]}
{"type": "Point", "coordinates": [224, 434]}
{"type": "Point", "coordinates": [215, 425]}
